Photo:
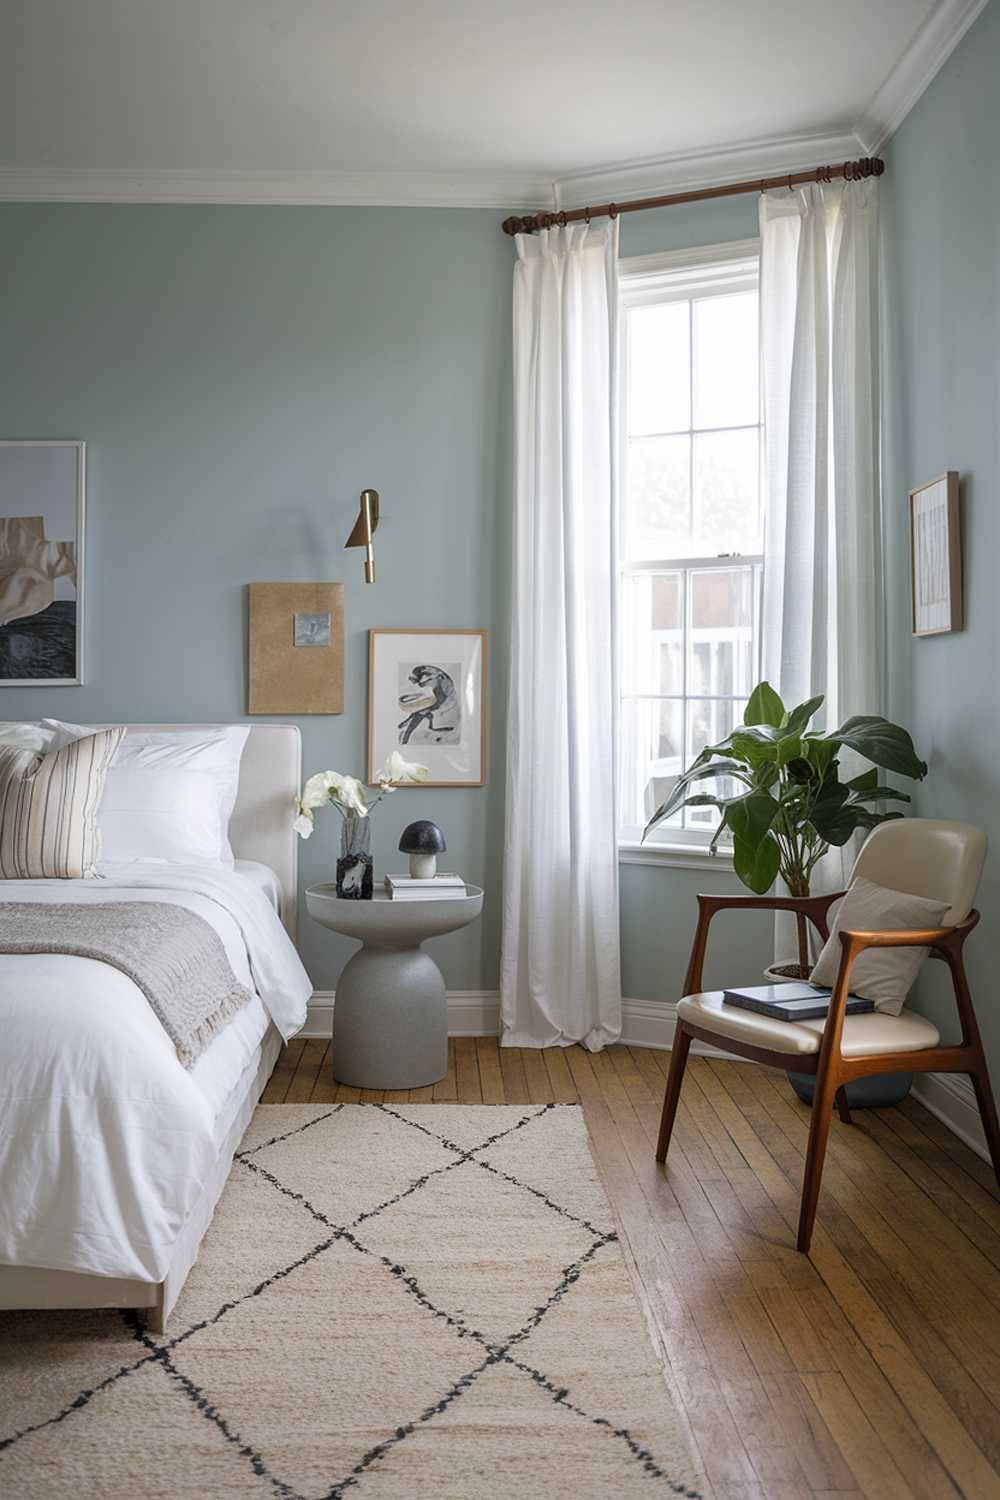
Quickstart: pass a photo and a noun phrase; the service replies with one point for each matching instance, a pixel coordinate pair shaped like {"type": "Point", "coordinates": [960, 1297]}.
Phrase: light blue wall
{"type": "Point", "coordinates": [239, 374]}
{"type": "Point", "coordinates": [941, 196]}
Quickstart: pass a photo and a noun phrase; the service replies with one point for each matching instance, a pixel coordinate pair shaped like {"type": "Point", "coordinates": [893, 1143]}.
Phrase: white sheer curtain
{"type": "Point", "coordinates": [559, 975]}
{"type": "Point", "coordinates": [823, 592]}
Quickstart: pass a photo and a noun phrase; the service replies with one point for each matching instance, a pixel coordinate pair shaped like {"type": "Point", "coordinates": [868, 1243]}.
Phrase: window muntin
{"type": "Point", "coordinates": [691, 529]}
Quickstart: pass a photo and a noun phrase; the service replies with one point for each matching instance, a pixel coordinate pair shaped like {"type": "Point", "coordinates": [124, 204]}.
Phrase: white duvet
{"type": "Point", "coordinates": [105, 1140]}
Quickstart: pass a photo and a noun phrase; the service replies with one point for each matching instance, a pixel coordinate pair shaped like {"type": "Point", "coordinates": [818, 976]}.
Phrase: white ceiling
{"type": "Point", "coordinates": [445, 100]}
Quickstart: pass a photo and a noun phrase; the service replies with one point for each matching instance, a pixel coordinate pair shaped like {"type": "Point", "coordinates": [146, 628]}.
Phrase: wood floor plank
{"type": "Point", "coordinates": [490, 1076]}
{"type": "Point", "coordinates": [515, 1083]}
{"type": "Point", "coordinates": [468, 1086]}
{"type": "Point", "coordinates": [324, 1090]}
{"type": "Point", "coordinates": [447, 1089]}
{"type": "Point", "coordinates": [311, 1060]}
{"type": "Point", "coordinates": [869, 1370]}
{"type": "Point", "coordinates": [540, 1090]}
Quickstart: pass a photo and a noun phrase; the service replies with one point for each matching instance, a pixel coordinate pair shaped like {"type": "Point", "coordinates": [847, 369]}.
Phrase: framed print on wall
{"type": "Point", "coordinates": [296, 655]}
{"type": "Point", "coordinates": [936, 556]}
{"type": "Point", "coordinates": [427, 699]}
{"type": "Point", "coordinates": [42, 498]}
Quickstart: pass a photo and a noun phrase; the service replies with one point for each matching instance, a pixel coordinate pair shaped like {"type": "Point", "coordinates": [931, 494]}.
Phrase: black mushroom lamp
{"type": "Point", "coordinates": [423, 841]}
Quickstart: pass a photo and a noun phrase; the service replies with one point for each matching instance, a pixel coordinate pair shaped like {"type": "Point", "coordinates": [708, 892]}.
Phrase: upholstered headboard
{"type": "Point", "coordinates": [261, 826]}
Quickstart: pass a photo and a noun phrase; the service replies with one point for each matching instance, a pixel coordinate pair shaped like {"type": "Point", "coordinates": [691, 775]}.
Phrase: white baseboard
{"type": "Point", "coordinates": [645, 1023]}
{"type": "Point", "coordinates": [952, 1099]}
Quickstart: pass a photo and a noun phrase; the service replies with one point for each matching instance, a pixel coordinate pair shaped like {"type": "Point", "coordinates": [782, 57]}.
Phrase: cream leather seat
{"type": "Point", "coordinates": [863, 1036]}
{"type": "Point", "coordinates": [922, 856]}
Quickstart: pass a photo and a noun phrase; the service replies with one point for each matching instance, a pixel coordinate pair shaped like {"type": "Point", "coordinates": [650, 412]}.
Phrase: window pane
{"type": "Point", "coordinates": [709, 721]}
{"type": "Point", "coordinates": [721, 642]}
{"type": "Point", "coordinates": [658, 501]}
{"type": "Point", "coordinates": [652, 623]}
{"type": "Point", "coordinates": [726, 492]}
{"type": "Point", "coordinates": [726, 379]}
{"type": "Point", "coordinates": [651, 757]}
{"type": "Point", "coordinates": [659, 368]}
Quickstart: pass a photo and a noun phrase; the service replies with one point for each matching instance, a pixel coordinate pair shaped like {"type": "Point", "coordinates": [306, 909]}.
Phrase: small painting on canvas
{"type": "Point", "coordinates": [41, 563]}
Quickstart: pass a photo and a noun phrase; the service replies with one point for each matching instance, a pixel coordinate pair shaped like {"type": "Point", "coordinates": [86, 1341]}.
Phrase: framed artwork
{"type": "Point", "coordinates": [427, 699]}
{"type": "Point", "coordinates": [936, 556]}
{"type": "Point", "coordinates": [296, 661]}
{"type": "Point", "coordinates": [42, 499]}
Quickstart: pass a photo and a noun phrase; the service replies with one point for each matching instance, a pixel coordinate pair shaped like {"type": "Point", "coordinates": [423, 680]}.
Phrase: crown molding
{"type": "Point", "coordinates": [686, 171]}
{"type": "Point", "coordinates": [498, 190]}
{"type": "Point", "coordinates": [919, 65]}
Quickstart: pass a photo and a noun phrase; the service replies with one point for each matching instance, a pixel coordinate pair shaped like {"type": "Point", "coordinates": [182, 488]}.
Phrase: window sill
{"type": "Point", "coordinates": [675, 856]}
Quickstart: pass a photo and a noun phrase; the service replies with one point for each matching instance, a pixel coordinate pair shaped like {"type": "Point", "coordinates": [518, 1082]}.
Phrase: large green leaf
{"type": "Point", "coordinates": [799, 717]}
{"type": "Point", "coordinates": [885, 744]}
{"type": "Point", "coordinates": [756, 867]}
{"type": "Point", "coordinates": [819, 753]}
{"type": "Point", "coordinates": [750, 817]}
{"type": "Point", "coordinates": [764, 706]}
{"type": "Point", "coordinates": [880, 794]}
{"type": "Point", "coordinates": [678, 793]}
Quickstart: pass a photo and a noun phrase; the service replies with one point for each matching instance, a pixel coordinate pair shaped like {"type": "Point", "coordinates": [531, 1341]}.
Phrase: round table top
{"type": "Point", "coordinates": [395, 921]}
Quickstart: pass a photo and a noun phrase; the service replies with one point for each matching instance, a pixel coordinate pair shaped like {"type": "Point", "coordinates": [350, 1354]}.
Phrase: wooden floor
{"type": "Point", "coordinates": [870, 1368]}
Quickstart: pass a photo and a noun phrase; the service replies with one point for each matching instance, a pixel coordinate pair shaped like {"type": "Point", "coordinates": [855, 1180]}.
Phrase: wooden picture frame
{"type": "Point", "coordinates": [935, 556]}
{"type": "Point", "coordinates": [427, 699]}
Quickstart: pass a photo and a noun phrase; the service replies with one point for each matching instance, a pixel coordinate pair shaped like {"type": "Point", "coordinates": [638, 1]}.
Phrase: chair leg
{"type": "Point", "coordinates": [819, 1130]}
{"type": "Point", "coordinates": [987, 1113]}
{"type": "Point", "coordinates": [843, 1108]}
{"type": "Point", "coordinates": [672, 1092]}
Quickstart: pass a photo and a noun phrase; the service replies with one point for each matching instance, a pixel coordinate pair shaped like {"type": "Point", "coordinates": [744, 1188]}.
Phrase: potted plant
{"type": "Point", "coordinates": [780, 797]}
{"type": "Point", "coordinates": [347, 794]}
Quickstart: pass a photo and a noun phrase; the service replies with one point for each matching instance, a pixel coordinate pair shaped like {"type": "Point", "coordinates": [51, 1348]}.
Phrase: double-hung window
{"type": "Point", "coordinates": [691, 543]}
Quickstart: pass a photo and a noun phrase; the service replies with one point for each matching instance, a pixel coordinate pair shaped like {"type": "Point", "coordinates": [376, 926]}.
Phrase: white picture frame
{"type": "Point", "coordinates": [42, 521]}
{"type": "Point", "coordinates": [935, 556]}
{"type": "Point", "coordinates": [427, 699]}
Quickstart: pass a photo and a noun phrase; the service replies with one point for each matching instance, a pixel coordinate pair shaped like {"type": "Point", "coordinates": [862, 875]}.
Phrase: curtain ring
{"type": "Point", "coordinates": [789, 182]}
{"type": "Point", "coordinates": [562, 218]}
{"type": "Point", "coordinates": [613, 211]}
{"type": "Point", "coordinates": [586, 214]}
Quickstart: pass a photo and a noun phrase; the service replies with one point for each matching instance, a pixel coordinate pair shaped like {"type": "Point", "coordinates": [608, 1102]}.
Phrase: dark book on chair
{"type": "Point", "coordinates": [791, 1001]}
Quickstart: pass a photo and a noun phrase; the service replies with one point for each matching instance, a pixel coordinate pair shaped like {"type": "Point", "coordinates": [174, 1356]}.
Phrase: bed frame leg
{"type": "Point", "coordinates": [155, 1320]}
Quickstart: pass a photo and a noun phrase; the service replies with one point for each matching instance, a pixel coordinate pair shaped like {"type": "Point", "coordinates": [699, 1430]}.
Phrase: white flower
{"type": "Point", "coordinates": [350, 794]}
{"type": "Point", "coordinates": [398, 771]}
{"type": "Point", "coordinates": [303, 825]}
{"type": "Point", "coordinates": [316, 791]}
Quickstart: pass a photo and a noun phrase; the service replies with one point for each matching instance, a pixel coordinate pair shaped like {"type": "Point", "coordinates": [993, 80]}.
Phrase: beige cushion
{"type": "Point", "coordinates": [863, 1036]}
{"type": "Point", "coordinates": [884, 975]}
{"type": "Point", "coordinates": [49, 806]}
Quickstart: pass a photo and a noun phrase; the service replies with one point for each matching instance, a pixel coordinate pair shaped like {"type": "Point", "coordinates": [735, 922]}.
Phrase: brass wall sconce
{"type": "Point", "coordinates": [365, 528]}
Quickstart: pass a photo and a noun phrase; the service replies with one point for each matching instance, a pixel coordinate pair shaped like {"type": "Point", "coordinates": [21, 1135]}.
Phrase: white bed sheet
{"type": "Point", "coordinates": [105, 1140]}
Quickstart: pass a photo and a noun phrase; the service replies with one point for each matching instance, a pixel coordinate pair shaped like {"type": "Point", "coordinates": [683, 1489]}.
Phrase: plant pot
{"type": "Point", "coordinates": [785, 971]}
{"type": "Point", "coordinates": [880, 1091]}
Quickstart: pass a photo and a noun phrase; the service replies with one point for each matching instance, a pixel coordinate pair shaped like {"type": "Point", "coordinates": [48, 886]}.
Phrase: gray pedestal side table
{"type": "Point", "coordinates": [390, 1012]}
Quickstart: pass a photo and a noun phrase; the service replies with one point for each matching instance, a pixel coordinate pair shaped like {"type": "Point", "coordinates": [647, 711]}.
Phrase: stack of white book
{"type": "Point", "coordinates": [433, 888]}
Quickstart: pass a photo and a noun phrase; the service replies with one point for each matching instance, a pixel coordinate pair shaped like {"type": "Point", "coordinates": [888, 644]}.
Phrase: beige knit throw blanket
{"type": "Point", "coordinates": [175, 957]}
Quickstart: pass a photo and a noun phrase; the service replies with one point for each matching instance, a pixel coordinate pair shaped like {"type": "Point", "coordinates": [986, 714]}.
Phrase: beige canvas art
{"type": "Point", "coordinates": [296, 648]}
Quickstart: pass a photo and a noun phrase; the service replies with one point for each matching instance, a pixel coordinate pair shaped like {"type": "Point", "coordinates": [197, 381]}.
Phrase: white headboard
{"type": "Point", "coordinates": [261, 826]}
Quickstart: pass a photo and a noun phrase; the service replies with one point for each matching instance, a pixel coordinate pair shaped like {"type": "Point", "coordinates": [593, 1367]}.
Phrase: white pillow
{"type": "Point", "coordinates": [26, 737]}
{"type": "Point", "coordinates": [169, 794]}
{"type": "Point", "coordinates": [883, 975]}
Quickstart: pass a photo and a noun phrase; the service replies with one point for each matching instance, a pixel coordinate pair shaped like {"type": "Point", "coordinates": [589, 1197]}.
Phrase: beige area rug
{"type": "Point", "coordinates": [393, 1302]}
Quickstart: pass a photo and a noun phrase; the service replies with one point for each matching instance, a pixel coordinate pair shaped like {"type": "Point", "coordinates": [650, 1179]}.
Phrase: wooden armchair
{"type": "Point", "coordinates": [918, 855]}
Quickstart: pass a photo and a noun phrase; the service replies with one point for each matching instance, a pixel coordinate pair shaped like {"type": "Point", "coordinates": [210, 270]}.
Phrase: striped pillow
{"type": "Point", "coordinates": [49, 806]}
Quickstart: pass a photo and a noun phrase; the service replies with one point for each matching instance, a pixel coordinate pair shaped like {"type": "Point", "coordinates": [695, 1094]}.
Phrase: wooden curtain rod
{"type": "Point", "coordinates": [851, 171]}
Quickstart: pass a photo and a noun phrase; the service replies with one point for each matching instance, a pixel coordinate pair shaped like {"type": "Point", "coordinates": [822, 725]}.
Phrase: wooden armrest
{"type": "Point", "coordinates": [803, 904]}
{"type": "Point", "coordinates": [805, 908]}
{"type": "Point", "coordinates": [911, 937]}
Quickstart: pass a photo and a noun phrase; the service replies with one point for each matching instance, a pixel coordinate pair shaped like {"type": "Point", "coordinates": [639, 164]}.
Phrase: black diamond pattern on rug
{"type": "Point", "coordinates": [437, 1250]}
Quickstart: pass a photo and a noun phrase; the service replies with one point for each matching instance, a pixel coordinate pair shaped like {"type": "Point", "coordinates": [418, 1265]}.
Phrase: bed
{"type": "Point", "coordinates": [112, 1155]}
